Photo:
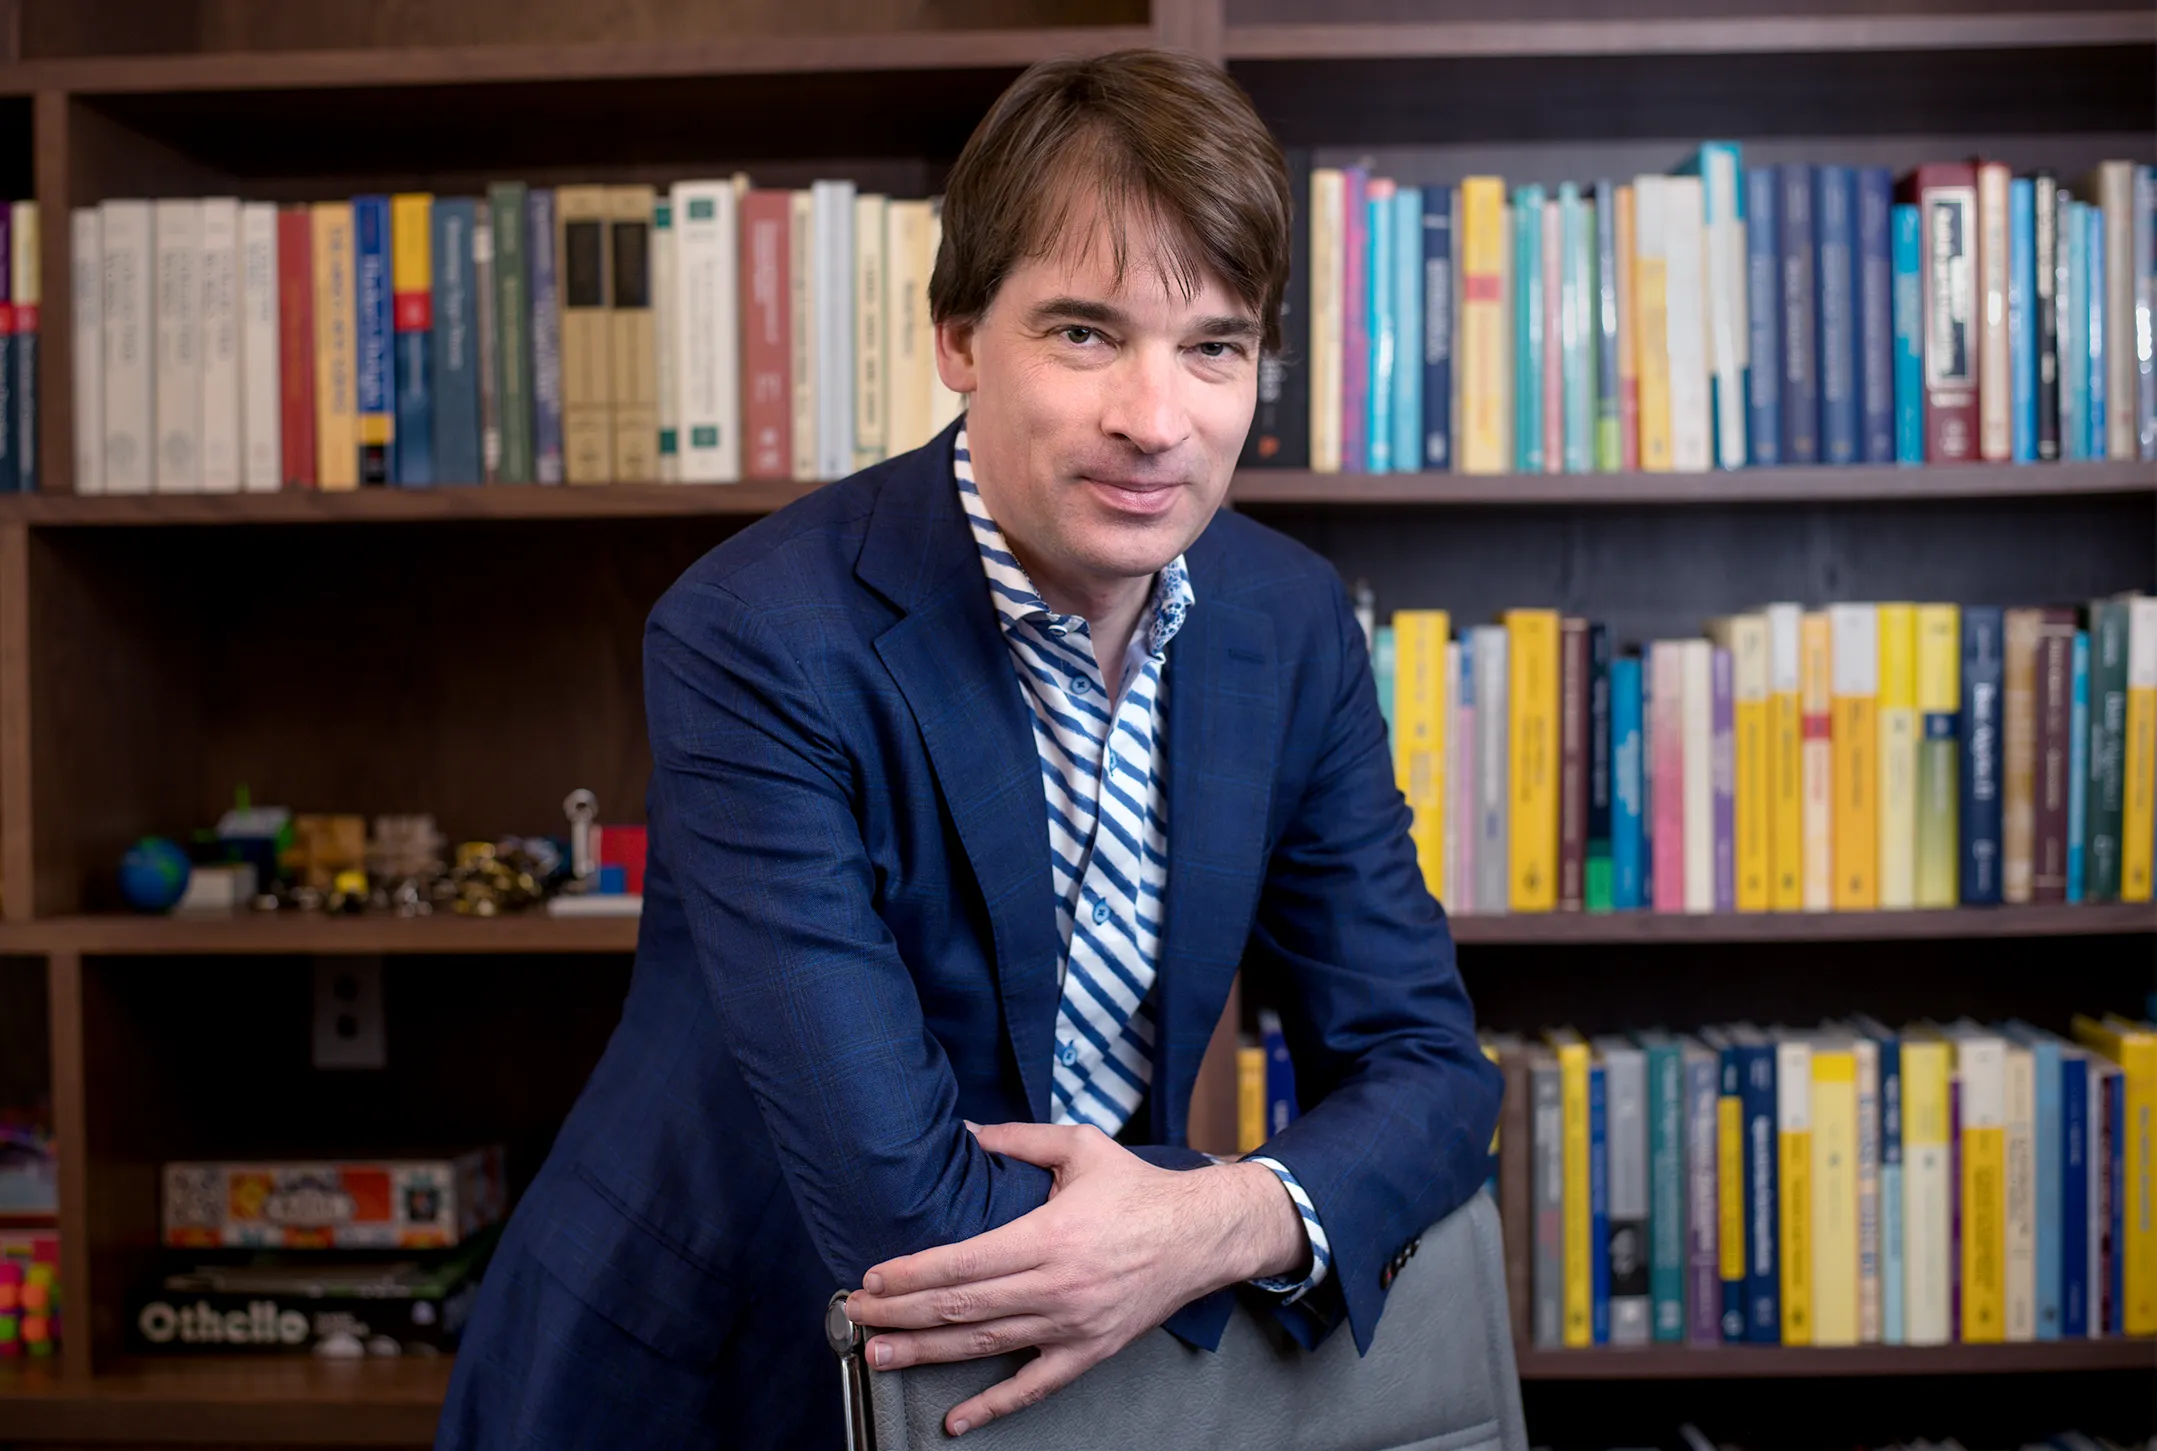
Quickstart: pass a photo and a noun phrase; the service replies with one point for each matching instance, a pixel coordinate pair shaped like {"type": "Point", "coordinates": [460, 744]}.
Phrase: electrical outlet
{"type": "Point", "coordinates": [348, 1029]}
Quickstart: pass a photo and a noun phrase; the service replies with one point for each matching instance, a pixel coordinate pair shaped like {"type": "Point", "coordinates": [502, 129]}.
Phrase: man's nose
{"type": "Point", "coordinates": [1146, 402]}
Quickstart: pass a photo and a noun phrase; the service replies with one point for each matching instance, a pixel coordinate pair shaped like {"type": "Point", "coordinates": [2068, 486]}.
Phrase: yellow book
{"type": "Point", "coordinates": [1329, 200]}
{"type": "Point", "coordinates": [872, 383]}
{"type": "Point", "coordinates": [1250, 1099]}
{"type": "Point", "coordinates": [1855, 708]}
{"type": "Point", "coordinates": [1897, 851]}
{"type": "Point", "coordinates": [2141, 803]}
{"type": "Point", "coordinates": [1532, 757]}
{"type": "Point", "coordinates": [582, 217]}
{"type": "Point", "coordinates": [1981, 1070]}
{"type": "Point", "coordinates": [1746, 638]}
{"type": "Point", "coordinates": [1730, 1186]}
{"type": "Point", "coordinates": [336, 350]}
{"type": "Point", "coordinates": [1484, 351]}
{"type": "Point", "coordinates": [632, 346]}
{"type": "Point", "coordinates": [1651, 321]}
{"type": "Point", "coordinates": [1939, 788]}
{"type": "Point", "coordinates": [2133, 1046]}
{"type": "Point", "coordinates": [1573, 1214]}
{"type": "Point", "coordinates": [1794, 1161]}
{"type": "Point", "coordinates": [1816, 695]}
{"type": "Point", "coordinates": [1834, 1196]}
{"type": "Point", "coordinates": [1786, 756]}
{"type": "Point", "coordinates": [1420, 711]}
{"type": "Point", "coordinates": [1926, 1197]}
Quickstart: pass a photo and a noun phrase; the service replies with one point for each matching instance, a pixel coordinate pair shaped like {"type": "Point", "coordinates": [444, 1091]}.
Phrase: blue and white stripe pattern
{"type": "Point", "coordinates": [1108, 834]}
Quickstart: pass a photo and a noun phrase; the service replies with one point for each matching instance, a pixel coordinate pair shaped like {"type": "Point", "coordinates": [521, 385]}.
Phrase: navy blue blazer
{"type": "Point", "coordinates": [849, 946]}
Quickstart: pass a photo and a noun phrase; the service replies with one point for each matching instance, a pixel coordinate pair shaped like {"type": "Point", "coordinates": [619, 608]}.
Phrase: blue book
{"type": "Point", "coordinates": [2074, 1194]}
{"type": "Point", "coordinates": [1530, 329]}
{"type": "Point", "coordinates": [1597, 893]}
{"type": "Point", "coordinates": [1647, 781]}
{"type": "Point", "coordinates": [1666, 1185]}
{"type": "Point", "coordinates": [1603, 307]}
{"type": "Point", "coordinates": [1575, 331]}
{"type": "Point", "coordinates": [1380, 340]}
{"type": "Point", "coordinates": [546, 339]}
{"type": "Point", "coordinates": [1282, 1108]}
{"type": "Point", "coordinates": [374, 379]}
{"type": "Point", "coordinates": [1764, 318]}
{"type": "Point", "coordinates": [2022, 317]}
{"type": "Point", "coordinates": [1892, 1305]}
{"type": "Point", "coordinates": [1438, 328]}
{"type": "Point", "coordinates": [1756, 1093]}
{"type": "Point", "coordinates": [1382, 670]}
{"type": "Point", "coordinates": [1801, 375]}
{"type": "Point", "coordinates": [2116, 1290]}
{"type": "Point", "coordinates": [10, 411]}
{"type": "Point", "coordinates": [1407, 329]}
{"type": "Point", "coordinates": [413, 448]}
{"type": "Point", "coordinates": [2074, 315]}
{"type": "Point", "coordinates": [1978, 806]}
{"type": "Point", "coordinates": [456, 345]}
{"type": "Point", "coordinates": [23, 395]}
{"type": "Point", "coordinates": [1909, 336]}
{"type": "Point", "coordinates": [2078, 730]}
{"type": "Point", "coordinates": [2093, 432]}
{"type": "Point", "coordinates": [1835, 261]}
{"type": "Point", "coordinates": [2045, 1064]}
{"type": "Point", "coordinates": [1627, 846]}
{"type": "Point", "coordinates": [1876, 313]}
{"type": "Point", "coordinates": [1598, 1207]}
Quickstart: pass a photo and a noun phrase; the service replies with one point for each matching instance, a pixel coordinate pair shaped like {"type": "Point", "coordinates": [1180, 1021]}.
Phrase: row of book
{"type": "Point", "coordinates": [1850, 758]}
{"type": "Point", "coordinates": [1719, 317]}
{"type": "Point", "coordinates": [702, 333]}
{"type": "Point", "coordinates": [1846, 1185]}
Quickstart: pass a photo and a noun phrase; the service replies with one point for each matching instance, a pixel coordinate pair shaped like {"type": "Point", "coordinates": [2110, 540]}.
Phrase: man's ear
{"type": "Point", "coordinates": [955, 356]}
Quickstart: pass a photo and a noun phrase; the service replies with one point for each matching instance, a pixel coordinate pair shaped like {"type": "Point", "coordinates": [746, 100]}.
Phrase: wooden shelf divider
{"type": "Point", "coordinates": [1777, 1362]}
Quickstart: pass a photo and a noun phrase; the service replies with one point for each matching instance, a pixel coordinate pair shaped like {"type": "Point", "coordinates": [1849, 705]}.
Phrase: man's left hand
{"type": "Point", "coordinates": [1119, 1247]}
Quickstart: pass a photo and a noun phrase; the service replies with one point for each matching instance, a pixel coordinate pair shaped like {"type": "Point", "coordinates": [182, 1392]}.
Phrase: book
{"type": "Point", "coordinates": [296, 346]}
{"type": "Point", "coordinates": [1281, 1102]}
{"type": "Point", "coordinates": [2145, 311]}
{"type": "Point", "coordinates": [909, 336]}
{"type": "Point", "coordinates": [580, 255]}
{"type": "Point", "coordinates": [1551, 255]}
{"type": "Point", "coordinates": [1441, 277]}
{"type": "Point", "coordinates": [1532, 331]}
{"type": "Point", "coordinates": [1898, 752]}
{"type": "Point", "coordinates": [1626, 236]}
{"type": "Point", "coordinates": [486, 343]}
{"type": "Point", "coordinates": [1547, 1198]}
{"type": "Point", "coordinates": [1703, 1206]}
{"type": "Point", "coordinates": [1732, 1185]}
{"type": "Point", "coordinates": [1280, 435]}
{"type": "Point", "coordinates": [25, 290]}
{"type": "Point", "coordinates": [1651, 322]}
{"type": "Point", "coordinates": [1946, 198]}
{"type": "Point", "coordinates": [801, 304]}
{"type": "Point", "coordinates": [1980, 806]}
{"type": "Point", "coordinates": [86, 273]}
{"type": "Point", "coordinates": [1794, 1161]}
{"type": "Point", "coordinates": [832, 256]}
{"type": "Point", "coordinates": [1250, 1098]}
{"type": "Point", "coordinates": [2139, 773]}
{"type": "Point", "coordinates": [455, 363]}
{"type": "Point", "coordinates": [1910, 276]}
{"type": "Point", "coordinates": [1685, 318]}
{"type": "Point", "coordinates": [1763, 318]}
{"type": "Point", "coordinates": [1451, 814]}
{"type": "Point", "coordinates": [2105, 753]}
{"type": "Point", "coordinates": [2076, 1164]}
{"type": "Point", "coordinates": [1355, 318]}
{"type": "Point", "coordinates": [2021, 328]}
{"type": "Point", "coordinates": [1816, 695]}
{"type": "Point", "coordinates": [1532, 761]}
{"type": "Point", "coordinates": [178, 368]}
{"type": "Point", "coordinates": [1875, 315]}
{"type": "Point", "coordinates": [1785, 743]}
{"type": "Point", "coordinates": [542, 263]}
{"type": "Point", "coordinates": [1381, 343]}
{"type": "Point", "coordinates": [1939, 700]}
{"type": "Point", "coordinates": [1879, 1103]}
{"type": "Point", "coordinates": [261, 455]}
{"type": "Point", "coordinates": [2047, 1131]}
{"type": "Point", "coordinates": [872, 386]}
{"type": "Point", "coordinates": [1722, 784]}
{"type": "Point", "coordinates": [2019, 1179]}
{"type": "Point", "coordinates": [1746, 638]}
{"type": "Point", "coordinates": [2111, 187]}
{"type": "Point", "coordinates": [633, 394]}
{"type": "Point", "coordinates": [1599, 1266]}
{"type": "Point", "coordinates": [1575, 1213]}
{"type": "Point", "coordinates": [1980, 1062]}
{"type": "Point", "coordinates": [1577, 349]}
{"type": "Point", "coordinates": [1664, 733]}
{"type": "Point", "coordinates": [1995, 393]}
{"type": "Point", "coordinates": [2050, 781]}
{"type": "Point", "coordinates": [2133, 1046]}
{"type": "Point", "coordinates": [1420, 704]}
{"type": "Point", "coordinates": [1763, 1188]}
{"type": "Point", "coordinates": [1485, 441]}
{"type": "Point", "coordinates": [220, 462]}
{"type": "Point", "coordinates": [1572, 763]}
{"type": "Point", "coordinates": [1327, 240]}
{"type": "Point", "coordinates": [666, 348]}
{"type": "Point", "coordinates": [11, 417]}
{"type": "Point", "coordinates": [412, 323]}
{"type": "Point", "coordinates": [1835, 240]}
{"type": "Point", "coordinates": [584, 253]}
{"type": "Point", "coordinates": [1626, 1140]}
{"type": "Point", "coordinates": [712, 341]}
{"type": "Point", "coordinates": [1834, 1121]}
{"type": "Point", "coordinates": [1925, 1190]}
{"type": "Point", "coordinates": [373, 317]}
{"type": "Point", "coordinates": [1627, 844]}
{"type": "Point", "coordinates": [1855, 704]}
{"type": "Point", "coordinates": [1493, 695]}
{"type": "Point", "coordinates": [1597, 885]}
{"type": "Point", "coordinates": [2018, 753]}
{"type": "Point", "coordinates": [2071, 322]}
{"type": "Point", "coordinates": [1659, 1195]}
{"type": "Point", "coordinates": [336, 358]}
{"type": "Point", "coordinates": [1725, 268]}
{"type": "Point", "coordinates": [765, 298]}
{"type": "Point", "coordinates": [1610, 375]}
{"type": "Point", "coordinates": [2045, 304]}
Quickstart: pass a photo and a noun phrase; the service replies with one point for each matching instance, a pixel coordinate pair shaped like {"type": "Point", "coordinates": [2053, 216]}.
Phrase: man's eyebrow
{"type": "Point", "coordinates": [1231, 325]}
{"type": "Point", "coordinates": [1082, 308]}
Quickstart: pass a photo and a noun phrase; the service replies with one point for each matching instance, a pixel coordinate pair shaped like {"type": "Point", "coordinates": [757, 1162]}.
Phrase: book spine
{"type": "Point", "coordinates": [709, 347]}
{"type": "Point", "coordinates": [1980, 808]}
{"type": "Point", "coordinates": [1408, 330]}
{"type": "Point", "coordinates": [1577, 1212]}
{"type": "Point", "coordinates": [11, 418]}
{"type": "Point", "coordinates": [86, 273]}
{"type": "Point", "coordinates": [1552, 256]}
{"type": "Point", "coordinates": [1576, 222]}
{"type": "Point", "coordinates": [1939, 701]}
{"type": "Point", "coordinates": [1532, 651]}
{"type": "Point", "coordinates": [336, 358]}
{"type": "Point", "coordinates": [1685, 318]}
{"type": "Point", "coordinates": [2116, 186]}
{"type": "Point", "coordinates": [1355, 318]}
{"type": "Point", "coordinates": [486, 343]}
{"type": "Point", "coordinates": [1898, 752]}
{"type": "Point", "coordinates": [1666, 736]}
{"type": "Point", "coordinates": [1549, 1203]}
{"type": "Point", "coordinates": [1328, 241]}
{"type": "Point", "coordinates": [456, 361]}
{"type": "Point", "coordinates": [1786, 760]}
{"type": "Point", "coordinates": [1732, 1192]}
{"type": "Point", "coordinates": [2098, 413]}
{"type": "Point", "coordinates": [1855, 703]}
{"type": "Point", "coordinates": [802, 309]}
{"type": "Point", "coordinates": [178, 369]}
{"type": "Point", "coordinates": [1380, 340]}
{"type": "Point", "coordinates": [632, 347]}
{"type": "Point", "coordinates": [1572, 763]}
{"type": "Point", "coordinates": [2019, 1215]}
{"type": "Point", "coordinates": [1702, 1314]}
{"type": "Point", "coordinates": [1927, 1195]}
{"type": "Point", "coordinates": [667, 320]}
{"type": "Point", "coordinates": [1801, 373]}
{"type": "Point", "coordinates": [1876, 314]}
{"type": "Point", "coordinates": [1599, 1265]}
{"type": "Point", "coordinates": [1835, 224]}
{"type": "Point", "coordinates": [1947, 198]}
{"type": "Point", "coordinates": [2018, 766]}
{"type": "Point", "coordinates": [2078, 734]}
{"type": "Point", "coordinates": [261, 453]}
{"type": "Point", "coordinates": [1439, 278]}
{"type": "Point", "coordinates": [584, 354]}
{"type": "Point", "coordinates": [1909, 337]}
{"type": "Point", "coordinates": [1726, 271]}
{"type": "Point", "coordinates": [543, 266]}
{"type": "Point", "coordinates": [1626, 765]}
{"type": "Point", "coordinates": [1453, 820]}
{"type": "Point", "coordinates": [296, 345]}
{"type": "Point", "coordinates": [1665, 1220]}
{"type": "Point", "coordinates": [1280, 435]}
{"type": "Point", "coordinates": [1834, 1269]}
{"type": "Point", "coordinates": [1419, 734]}
{"type": "Point", "coordinates": [872, 387]}
{"type": "Point", "coordinates": [2145, 311]}
{"type": "Point", "coordinates": [2139, 804]}
{"type": "Point", "coordinates": [1250, 1099]}
{"type": "Point", "coordinates": [1894, 1326]}
{"type": "Point", "coordinates": [834, 253]}
{"type": "Point", "coordinates": [1794, 1162]}
{"type": "Point", "coordinates": [1995, 393]}
{"type": "Point", "coordinates": [1651, 320]}
{"type": "Point", "coordinates": [374, 379]}
{"type": "Point", "coordinates": [2074, 1157]}
{"type": "Point", "coordinates": [220, 343]}
{"type": "Point", "coordinates": [1722, 767]}
{"type": "Point", "coordinates": [1626, 1196]}
{"type": "Point", "coordinates": [1281, 1110]}
{"type": "Point", "coordinates": [2105, 792]}
{"type": "Point", "coordinates": [767, 328]}
{"type": "Point", "coordinates": [1981, 1068]}
{"type": "Point", "coordinates": [909, 339]}
{"type": "Point", "coordinates": [21, 383]}
{"type": "Point", "coordinates": [1649, 766]}
{"type": "Point", "coordinates": [2021, 330]}
{"type": "Point", "coordinates": [2045, 1144]}
{"type": "Point", "coordinates": [412, 287]}
{"type": "Point", "coordinates": [1462, 780]}
{"type": "Point", "coordinates": [1493, 695]}
{"type": "Point", "coordinates": [1752, 823]}
{"type": "Point", "coordinates": [2045, 316]}
{"type": "Point", "coordinates": [1627, 239]}
{"type": "Point", "coordinates": [1609, 377]}
{"type": "Point", "coordinates": [1817, 762]}
{"type": "Point", "coordinates": [1597, 882]}
{"type": "Point", "coordinates": [1764, 1227]}
{"type": "Point", "coordinates": [1866, 1057]}
{"type": "Point", "coordinates": [2116, 1203]}
{"type": "Point", "coordinates": [1764, 317]}
{"type": "Point", "coordinates": [1530, 330]}
{"type": "Point", "coordinates": [2071, 288]}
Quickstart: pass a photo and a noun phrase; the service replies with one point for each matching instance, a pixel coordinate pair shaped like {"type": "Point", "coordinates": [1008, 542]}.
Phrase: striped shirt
{"type": "Point", "coordinates": [1104, 775]}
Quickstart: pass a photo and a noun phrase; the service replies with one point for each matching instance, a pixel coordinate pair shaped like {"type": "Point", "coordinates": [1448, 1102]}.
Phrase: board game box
{"type": "Point", "coordinates": [334, 1204]}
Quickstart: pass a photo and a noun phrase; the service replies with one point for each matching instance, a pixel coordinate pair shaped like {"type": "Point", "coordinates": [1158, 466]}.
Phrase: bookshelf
{"type": "Point", "coordinates": [382, 651]}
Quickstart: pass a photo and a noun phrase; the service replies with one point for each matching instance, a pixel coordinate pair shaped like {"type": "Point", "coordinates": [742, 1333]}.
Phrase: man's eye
{"type": "Point", "coordinates": [1217, 349]}
{"type": "Point", "coordinates": [1078, 336]}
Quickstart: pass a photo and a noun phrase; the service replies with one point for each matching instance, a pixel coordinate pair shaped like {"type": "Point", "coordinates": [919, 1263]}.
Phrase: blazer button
{"type": "Point", "coordinates": [1385, 1278]}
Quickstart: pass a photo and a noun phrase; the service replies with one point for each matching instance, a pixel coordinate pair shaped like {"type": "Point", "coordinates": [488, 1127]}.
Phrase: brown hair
{"type": "Point", "coordinates": [1152, 129]}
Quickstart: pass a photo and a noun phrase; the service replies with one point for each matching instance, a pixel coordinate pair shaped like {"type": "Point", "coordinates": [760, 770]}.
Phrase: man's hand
{"type": "Point", "coordinates": [1119, 1247]}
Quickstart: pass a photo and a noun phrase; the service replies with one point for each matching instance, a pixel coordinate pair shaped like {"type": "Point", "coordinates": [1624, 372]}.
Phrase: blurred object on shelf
{"type": "Point", "coordinates": [153, 874]}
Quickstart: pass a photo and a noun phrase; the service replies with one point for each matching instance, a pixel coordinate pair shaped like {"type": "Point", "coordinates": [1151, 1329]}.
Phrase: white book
{"type": "Point", "coordinates": [1685, 301]}
{"type": "Point", "coordinates": [872, 392]}
{"type": "Point", "coordinates": [707, 338]}
{"type": "Point", "coordinates": [261, 404]}
{"type": "Point", "coordinates": [1865, 1053]}
{"type": "Point", "coordinates": [1449, 818]}
{"type": "Point", "coordinates": [1793, 1098]}
{"type": "Point", "coordinates": [130, 323]}
{"type": "Point", "coordinates": [666, 341]}
{"type": "Point", "coordinates": [178, 222]}
{"type": "Point", "coordinates": [909, 344]}
{"type": "Point", "coordinates": [834, 303]}
{"type": "Point", "coordinates": [1493, 864]}
{"type": "Point", "coordinates": [801, 286]}
{"type": "Point", "coordinates": [2020, 1078]}
{"type": "Point", "coordinates": [86, 266]}
{"type": "Point", "coordinates": [1926, 1200]}
{"type": "Point", "coordinates": [1462, 784]}
{"type": "Point", "coordinates": [220, 443]}
{"type": "Point", "coordinates": [1723, 193]}
{"type": "Point", "coordinates": [944, 405]}
{"type": "Point", "coordinates": [1328, 207]}
{"type": "Point", "coordinates": [1696, 704]}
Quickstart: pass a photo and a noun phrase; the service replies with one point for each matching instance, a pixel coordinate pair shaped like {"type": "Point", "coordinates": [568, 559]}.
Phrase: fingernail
{"type": "Point", "coordinates": [873, 1283]}
{"type": "Point", "coordinates": [882, 1352]}
{"type": "Point", "coordinates": [958, 1428]}
{"type": "Point", "coordinates": [971, 1126]}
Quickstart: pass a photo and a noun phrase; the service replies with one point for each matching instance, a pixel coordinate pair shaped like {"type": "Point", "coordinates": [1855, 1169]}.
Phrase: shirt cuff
{"type": "Point", "coordinates": [1313, 1232]}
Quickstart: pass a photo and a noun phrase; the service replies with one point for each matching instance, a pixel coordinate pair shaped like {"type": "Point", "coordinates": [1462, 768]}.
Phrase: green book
{"type": "Point", "coordinates": [1666, 1183]}
{"type": "Point", "coordinates": [513, 331]}
{"type": "Point", "coordinates": [2107, 754]}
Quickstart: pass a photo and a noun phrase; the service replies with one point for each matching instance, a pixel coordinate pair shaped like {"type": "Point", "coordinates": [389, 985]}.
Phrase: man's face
{"type": "Point", "coordinates": [1106, 416]}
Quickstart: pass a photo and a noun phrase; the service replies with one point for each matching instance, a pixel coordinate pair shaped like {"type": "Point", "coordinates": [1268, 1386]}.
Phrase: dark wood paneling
{"type": "Point", "coordinates": [25, 1033]}
{"type": "Point", "coordinates": [1941, 13]}
{"type": "Point", "coordinates": [154, 1405]}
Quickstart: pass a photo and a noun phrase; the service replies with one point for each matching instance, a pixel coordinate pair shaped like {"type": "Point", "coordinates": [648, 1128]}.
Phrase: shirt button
{"type": "Point", "coordinates": [1100, 913]}
{"type": "Point", "coordinates": [1079, 685]}
{"type": "Point", "coordinates": [1067, 1053]}
{"type": "Point", "coordinates": [1115, 763]}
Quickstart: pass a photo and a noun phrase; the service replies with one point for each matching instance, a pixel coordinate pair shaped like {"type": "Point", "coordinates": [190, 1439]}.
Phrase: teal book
{"type": "Point", "coordinates": [2073, 313]}
{"type": "Point", "coordinates": [1529, 330]}
{"type": "Point", "coordinates": [1382, 341]}
{"type": "Point", "coordinates": [1577, 338]}
{"type": "Point", "coordinates": [512, 331]}
{"type": "Point", "coordinates": [456, 345]}
{"type": "Point", "coordinates": [1909, 266]}
{"type": "Point", "coordinates": [1382, 668]}
{"type": "Point", "coordinates": [1666, 1184]}
{"type": "Point", "coordinates": [2105, 747]}
{"type": "Point", "coordinates": [1408, 344]}
{"type": "Point", "coordinates": [2078, 768]}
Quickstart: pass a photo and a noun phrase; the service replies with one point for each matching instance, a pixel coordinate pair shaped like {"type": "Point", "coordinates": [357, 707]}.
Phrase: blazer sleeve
{"type": "Point", "coordinates": [1398, 1100]}
{"type": "Point", "coordinates": [753, 807]}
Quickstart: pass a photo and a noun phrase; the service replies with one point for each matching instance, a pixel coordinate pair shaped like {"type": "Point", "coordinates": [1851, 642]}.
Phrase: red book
{"type": "Point", "coordinates": [296, 344]}
{"type": "Point", "coordinates": [767, 337]}
{"type": "Point", "coordinates": [1946, 199]}
{"type": "Point", "coordinates": [1572, 760]}
{"type": "Point", "coordinates": [1355, 325]}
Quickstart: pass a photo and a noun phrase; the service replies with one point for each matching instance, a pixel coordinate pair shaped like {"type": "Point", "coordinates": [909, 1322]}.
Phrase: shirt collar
{"type": "Point", "coordinates": [1013, 591]}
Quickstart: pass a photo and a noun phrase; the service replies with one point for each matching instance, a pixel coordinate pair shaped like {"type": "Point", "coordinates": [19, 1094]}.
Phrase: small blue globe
{"type": "Point", "coordinates": [153, 875]}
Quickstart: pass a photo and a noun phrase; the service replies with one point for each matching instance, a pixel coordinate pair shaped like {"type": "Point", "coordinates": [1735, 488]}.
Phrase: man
{"type": "Point", "coordinates": [976, 778]}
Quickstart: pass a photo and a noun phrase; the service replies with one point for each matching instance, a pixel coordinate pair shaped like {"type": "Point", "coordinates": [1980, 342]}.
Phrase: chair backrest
{"type": "Point", "coordinates": [1440, 1376]}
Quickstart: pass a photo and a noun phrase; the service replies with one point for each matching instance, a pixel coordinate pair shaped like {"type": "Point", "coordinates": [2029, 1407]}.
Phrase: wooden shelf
{"type": "Point", "coordinates": [391, 505]}
{"type": "Point", "coordinates": [1689, 36]}
{"type": "Point", "coordinates": [284, 1402]}
{"type": "Point", "coordinates": [1777, 1362]}
{"type": "Point", "coordinates": [1606, 929]}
